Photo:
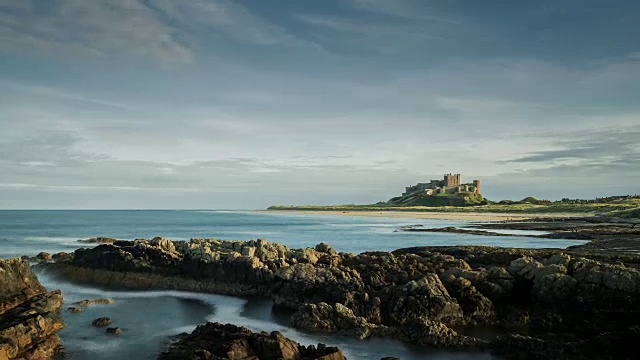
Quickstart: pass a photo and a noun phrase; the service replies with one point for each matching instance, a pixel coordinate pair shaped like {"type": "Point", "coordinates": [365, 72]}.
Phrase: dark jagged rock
{"type": "Point", "coordinates": [419, 295]}
{"type": "Point", "coordinates": [102, 321]}
{"type": "Point", "coordinates": [454, 230]}
{"type": "Point", "coordinates": [29, 319]}
{"type": "Point", "coordinates": [218, 341]}
{"type": "Point", "coordinates": [75, 309]}
{"type": "Point", "coordinates": [115, 331]}
{"type": "Point", "coordinates": [62, 256]}
{"type": "Point", "coordinates": [434, 334]}
{"type": "Point", "coordinates": [42, 257]}
{"type": "Point", "coordinates": [335, 318]}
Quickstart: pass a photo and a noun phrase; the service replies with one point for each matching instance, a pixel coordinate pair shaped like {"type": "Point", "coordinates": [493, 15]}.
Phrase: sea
{"type": "Point", "coordinates": [150, 318]}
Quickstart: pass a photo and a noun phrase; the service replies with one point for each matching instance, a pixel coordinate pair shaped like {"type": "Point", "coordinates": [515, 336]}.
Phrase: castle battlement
{"type": "Point", "coordinates": [450, 184]}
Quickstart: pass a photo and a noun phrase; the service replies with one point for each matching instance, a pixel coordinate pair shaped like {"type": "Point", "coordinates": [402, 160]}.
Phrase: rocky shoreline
{"type": "Point", "coordinates": [29, 314]}
{"type": "Point", "coordinates": [545, 303]}
{"type": "Point", "coordinates": [603, 233]}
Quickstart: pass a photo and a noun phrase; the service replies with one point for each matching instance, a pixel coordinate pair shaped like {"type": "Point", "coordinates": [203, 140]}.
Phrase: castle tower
{"type": "Point", "coordinates": [451, 180]}
{"type": "Point", "coordinates": [476, 186]}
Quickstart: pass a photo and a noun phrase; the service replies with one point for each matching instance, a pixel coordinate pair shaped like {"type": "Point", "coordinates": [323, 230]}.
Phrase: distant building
{"type": "Point", "coordinates": [449, 185]}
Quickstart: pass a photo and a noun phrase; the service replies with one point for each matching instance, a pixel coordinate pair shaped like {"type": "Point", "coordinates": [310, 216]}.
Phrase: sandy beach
{"type": "Point", "coordinates": [479, 216]}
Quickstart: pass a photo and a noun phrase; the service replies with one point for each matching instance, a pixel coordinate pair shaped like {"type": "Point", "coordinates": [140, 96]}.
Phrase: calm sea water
{"type": "Point", "coordinates": [149, 317]}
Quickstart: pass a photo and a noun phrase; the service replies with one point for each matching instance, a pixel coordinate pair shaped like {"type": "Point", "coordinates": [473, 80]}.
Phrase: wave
{"type": "Point", "coordinates": [65, 239]}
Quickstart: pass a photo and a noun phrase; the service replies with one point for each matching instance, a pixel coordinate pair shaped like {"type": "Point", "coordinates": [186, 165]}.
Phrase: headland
{"type": "Point", "coordinates": [449, 198]}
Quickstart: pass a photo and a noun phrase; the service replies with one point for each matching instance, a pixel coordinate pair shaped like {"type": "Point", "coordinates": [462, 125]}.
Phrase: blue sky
{"type": "Point", "coordinates": [244, 104]}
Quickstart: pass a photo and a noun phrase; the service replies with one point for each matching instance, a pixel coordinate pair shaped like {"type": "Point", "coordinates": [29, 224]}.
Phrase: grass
{"type": "Point", "coordinates": [633, 213]}
{"type": "Point", "coordinates": [625, 209]}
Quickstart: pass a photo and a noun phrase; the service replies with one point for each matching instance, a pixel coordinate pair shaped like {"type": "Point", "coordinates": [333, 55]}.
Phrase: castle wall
{"type": "Point", "coordinates": [451, 184]}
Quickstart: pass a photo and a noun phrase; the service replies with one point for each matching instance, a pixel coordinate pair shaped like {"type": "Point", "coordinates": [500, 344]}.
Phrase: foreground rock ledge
{"type": "Point", "coordinates": [545, 303]}
{"type": "Point", "coordinates": [29, 317]}
{"type": "Point", "coordinates": [218, 341]}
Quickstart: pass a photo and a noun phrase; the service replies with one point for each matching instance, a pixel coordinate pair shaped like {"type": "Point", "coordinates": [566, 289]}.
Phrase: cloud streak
{"type": "Point", "coordinates": [166, 31]}
{"type": "Point", "coordinates": [591, 148]}
{"type": "Point", "coordinates": [89, 28]}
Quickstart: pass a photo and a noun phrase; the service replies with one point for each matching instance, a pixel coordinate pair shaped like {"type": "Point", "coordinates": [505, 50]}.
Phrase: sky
{"type": "Point", "coordinates": [220, 104]}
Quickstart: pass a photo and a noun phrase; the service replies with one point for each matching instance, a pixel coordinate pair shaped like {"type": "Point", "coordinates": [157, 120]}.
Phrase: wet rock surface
{"type": "Point", "coordinates": [99, 301]}
{"type": "Point", "coordinates": [101, 321]}
{"type": "Point", "coordinates": [29, 319]}
{"type": "Point", "coordinates": [548, 300]}
{"type": "Point", "coordinates": [218, 341]}
{"type": "Point", "coordinates": [115, 331]}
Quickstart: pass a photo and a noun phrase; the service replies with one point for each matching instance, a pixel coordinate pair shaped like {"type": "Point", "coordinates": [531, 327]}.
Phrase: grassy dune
{"type": "Point", "coordinates": [626, 208]}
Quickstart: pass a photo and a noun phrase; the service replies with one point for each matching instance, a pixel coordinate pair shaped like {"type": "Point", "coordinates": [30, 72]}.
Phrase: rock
{"type": "Point", "coordinates": [102, 321]}
{"type": "Point", "coordinates": [475, 306]}
{"type": "Point", "coordinates": [75, 309]}
{"type": "Point", "coordinates": [100, 301]}
{"type": "Point", "coordinates": [557, 259]}
{"type": "Point", "coordinates": [218, 341]}
{"type": "Point", "coordinates": [62, 256]}
{"type": "Point", "coordinates": [554, 287]}
{"type": "Point", "coordinates": [325, 248]}
{"type": "Point", "coordinates": [498, 283]}
{"type": "Point", "coordinates": [417, 294]}
{"type": "Point", "coordinates": [525, 267]}
{"type": "Point", "coordinates": [529, 347]}
{"type": "Point", "coordinates": [423, 298]}
{"type": "Point", "coordinates": [327, 318]}
{"type": "Point", "coordinates": [249, 251]}
{"type": "Point", "coordinates": [29, 319]}
{"type": "Point", "coordinates": [43, 257]}
{"type": "Point", "coordinates": [432, 333]}
{"type": "Point", "coordinates": [116, 331]}
{"type": "Point", "coordinates": [163, 244]}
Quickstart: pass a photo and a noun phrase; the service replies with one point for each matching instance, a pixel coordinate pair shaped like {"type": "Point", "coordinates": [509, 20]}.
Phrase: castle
{"type": "Point", "coordinates": [449, 185]}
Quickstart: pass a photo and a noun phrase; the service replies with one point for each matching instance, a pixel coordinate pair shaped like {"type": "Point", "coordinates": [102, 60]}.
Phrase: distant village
{"type": "Point", "coordinates": [450, 184]}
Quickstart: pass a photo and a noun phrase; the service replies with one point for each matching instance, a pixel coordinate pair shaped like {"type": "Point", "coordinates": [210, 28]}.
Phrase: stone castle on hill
{"type": "Point", "coordinates": [449, 185]}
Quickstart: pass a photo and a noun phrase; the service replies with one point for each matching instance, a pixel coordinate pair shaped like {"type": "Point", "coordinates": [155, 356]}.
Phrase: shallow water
{"type": "Point", "coordinates": [29, 232]}
{"type": "Point", "coordinates": [150, 317]}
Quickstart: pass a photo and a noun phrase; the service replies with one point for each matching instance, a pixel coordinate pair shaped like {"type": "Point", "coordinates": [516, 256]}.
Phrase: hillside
{"type": "Point", "coordinates": [422, 199]}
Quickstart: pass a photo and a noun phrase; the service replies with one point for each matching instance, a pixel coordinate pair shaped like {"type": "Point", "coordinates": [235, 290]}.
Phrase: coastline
{"type": "Point", "coordinates": [478, 216]}
{"type": "Point", "coordinates": [452, 290]}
